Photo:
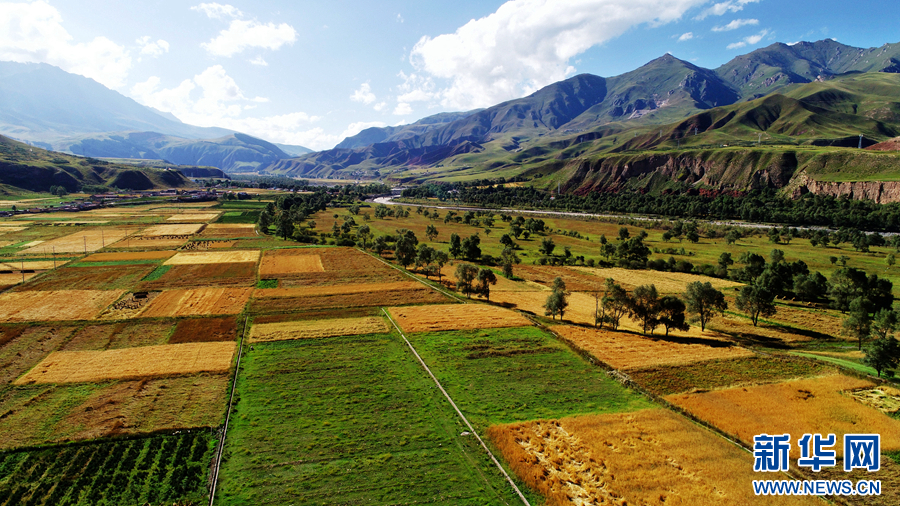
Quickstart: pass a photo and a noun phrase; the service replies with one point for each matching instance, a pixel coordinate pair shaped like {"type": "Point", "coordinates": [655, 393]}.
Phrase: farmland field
{"type": "Point", "coordinates": [55, 305]}
{"type": "Point", "coordinates": [289, 261]}
{"type": "Point", "coordinates": [455, 317]}
{"type": "Point", "coordinates": [154, 470]}
{"type": "Point", "coordinates": [88, 240]}
{"type": "Point", "coordinates": [130, 363]}
{"type": "Point", "coordinates": [646, 457]}
{"type": "Point", "coordinates": [111, 277]}
{"type": "Point", "coordinates": [198, 302]}
{"type": "Point", "coordinates": [344, 421]}
{"type": "Point", "coordinates": [666, 282]}
{"type": "Point", "coordinates": [170, 230]}
{"type": "Point", "coordinates": [312, 329]}
{"type": "Point", "coordinates": [218, 257]}
{"type": "Point", "coordinates": [206, 274]}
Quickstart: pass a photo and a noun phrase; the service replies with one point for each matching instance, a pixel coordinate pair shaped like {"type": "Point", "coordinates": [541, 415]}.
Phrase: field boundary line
{"type": "Point", "coordinates": [412, 276]}
{"type": "Point", "coordinates": [458, 412]}
{"type": "Point", "coordinates": [221, 449]}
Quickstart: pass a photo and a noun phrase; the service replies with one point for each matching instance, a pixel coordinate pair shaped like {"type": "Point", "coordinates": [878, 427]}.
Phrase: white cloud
{"type": "Point", "coordinates": [686, 36]}
{"type": "Point", "coordinates": [363, 94]}
{"type": "Point", "coordinates": [749, 41]}
{"type": "Point", "coordinates": [379, 106]}
{"type": "Point", "coordinates": [242, 34]}
{"type": "Point", "coordinates": [151, 48]}
{"type": "Point", "coordinates": [355, 128]}
{"type": "Point", "coordinates": [400, 19]}
{"type": "Point", "coordinates": [722, 8]}
{"type": "Point", "coordinates": [33, 33]}
{"type": "Point", "coordinates": [218, 11]}
{"type": "Point", "coordinates": [527, 44]}
{"type": "Point", "coordinates": [734, 25]}
{"type": "Point", "coordinates": [402, 109]}
{"type": "Point", "coordinates": [259, 61]}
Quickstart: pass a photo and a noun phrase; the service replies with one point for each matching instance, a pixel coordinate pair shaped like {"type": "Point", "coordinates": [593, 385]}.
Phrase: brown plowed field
{"type": "Point", "coordinates": [131, 363]}
{"type": "Point", "coordinates": [56, 305]}
{"type": "Point", "coordinates": [124, 257]}
{"type": "Point", "coordinates": [576, 281]}
{"type": "Point", "coordinates": [110, 277]}
{"type": "Point", "coordinates": [276, 262]}
{"type": "Point", "coordinates": [204, 275]}
{"type": "Point", "coordinates": [23, 346]}
{"type": "Point", "coordinates": [647, 457]}
{"type": "Point", "coordinates": [342, 266]}
{"type": "Point", "coordinates": [815, 406]}
{"type": "Point", "coordinates": [420, 295]}
{"type": "Point", "coordinates": [79, 242]}
{"type": "Point", "coordinates": [119, 335]}
{"type": "Point", "coordinates": [199, 302]}
{"type": "Point", "coordinates": [204, 330]}
{"type": "Point", "coordinates": [456, 317]}
{"type": "Point", "coordinates": [264, 293]}
{"type": "Point", "coordinates": [313, 329]}
{"type": "Point", "coordinates": [227, 226]}
{"type": "Point", "coordinates": [624, 350]}
{"type": "Point", "coordinates": [150, 243]}
{"type": "Point", "coordinates": [214, 257]}
{"type": "Point", "coordinates": [166, 230]}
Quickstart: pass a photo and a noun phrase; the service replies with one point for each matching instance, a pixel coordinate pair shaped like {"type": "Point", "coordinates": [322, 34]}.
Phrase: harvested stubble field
{"type": "Point", "coordinates": [149, 243]}
{"type": "Point", "coordinates": [58, 305]}
{"type": "Point", "coordinates": [624, 350]}
{"type": "Point", "coordinates": [43, 414]}
{"type": "Point", "coordinates": [170, 230]}
{"type": "Point", "coordinates": [289, 261]}
{"type": "Point", "coordinates": [823, 321]}
{"type": "Point", "coordinates": [666, 282]}
{"type": "Point", "coordinates": [314, 329]}
{"type": "Point", "coordinates": [576, 280]}
{"type": "Point", "coordinates": [128, 256]}
{"type": "Point", "coordinates": [456, 317]}
{"type": "Point", "coordinates": [168, 469]}
{"type": "Point", "coordinates": [23, 346]}
{"type": "Point", "coordinates": [112, 336]}
{"type": "Point", "coordinates": [84, 241]}
{"type": "Point", "coordinates": [647, 457]}
{"type": "Point", "coordinates": [716, 374]}
{"type": "Point", "coordinates": [193, 218]}
{"type": "Point", "coordinates": [814, 406]}
{"type": "Point", "coordinates": [204, 330]}
{"type": "Point", "coordinates": [37, 265]}
{"type": "Point", "coordinates": [205, 275]}
{"type": "Point", "coordinates": [765, 334]}
{"type": "Point", "coordinates": [279, 300]}
{"type": "Point", "coordinates": [11, 279]}
{"type": "Point", "coordinates": [215, 257]}
{"type": "Point", "coordinates": [199, 302]}
{"type": "Point", "coordinates": [224, 230]}
{"type": "Point", "coordinates": [508, 375]}
{"type": "Point", "coordinates": [581, 308]}
{"type": "Point", "coordinates": [448, 278]}
{"type": "Point", "coordinates": [343, 266]}
{"type": "Point", "coordinates": [348, 421]}
{"type": "Point", "coordinates": [131, 363]}
{"type": "Point", "coordinates": [110, 277]}
{"type": "Point", "coordinates": [321, 314]}
{"type": "Point", "coordinates": [228, 226]}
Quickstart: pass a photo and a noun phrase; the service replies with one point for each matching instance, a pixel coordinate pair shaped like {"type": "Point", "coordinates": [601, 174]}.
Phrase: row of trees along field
{"type": "Point", "coordinates": [757, 205]}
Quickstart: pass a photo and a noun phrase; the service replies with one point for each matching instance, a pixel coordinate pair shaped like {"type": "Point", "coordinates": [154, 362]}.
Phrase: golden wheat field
{"type": "Point", "coordinates": [310, 291]}
{"type": "Point", "coordinates": [197, 302]}
{"type": "Point", "coordinates": [131, 363]}
{"type": "Point", "coordinates": [56, 305]}
{"type": "Point", "coordinates": [214, 257]}
{"type": "Point", "coordinates": [814, 406]}
{"type": "Point", "coordinates": [650, 457]}
{"type": "Point", "coordinates": [455, 317]}
{"type": "Point", "coordinates": [274, 263]}
{"type": "Point", "coordinates": [38, 265]}
{"type": "Point", "coordinates": [624, 350]}
{"type": "Point", "coordinates": [666, 282]}
{"type": "Point", "coordinates": [79, 242]}
{"type": "Point", "coordinates": [166, 230]}
{"type": "Point", "coordinates": [312, 329]}
{"type": "Point", "coordinates": [448, 274]}
{"type": "Point", "coordinates": [193, 218]}
{"type": "Point", "coordinates": [581, 308]}
{"type": "Point", "coordinates": [9, 229]}
{"type": "Point", "coordinates": [135, 255]}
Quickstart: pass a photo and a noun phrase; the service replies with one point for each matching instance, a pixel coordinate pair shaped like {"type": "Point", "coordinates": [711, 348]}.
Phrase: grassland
{"type": "Point", "coordinates": [338, 421]}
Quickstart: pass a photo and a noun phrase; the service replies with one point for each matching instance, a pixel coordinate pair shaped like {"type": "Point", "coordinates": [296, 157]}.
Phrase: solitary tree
{"type": "Point", "coordinates": [671, 314]}
{"type": "Point", "coordinates": [486, 278]}
{"type": "Point", "coordinates": [547, 246]}
{"type": "Point", "coordinates": [644, 307]}
{"type": "Point", "coordinates": [455, 246]}
{"type": "Point", "coordinates": [756, 301]}
{"type": "Point", "coordinates": [431, 232]}
{"type": "Point", "coordinates": [615, 303]}
{"type": "Point", "coordinates": [704, 301]}
{"type": "Point", "coordinates": [858, 323]}
{"type": "Point", "coordinates": [439, 259]}
{"type": "Point", "coordinates": [508, 258]}
{"type": "Point", "coordinates": [883, 355]}
{"type": "Point", "coordinates": [558, 301]}
{"type": "Point", "coordinates": [264, 221]}
{"type": "Point", "coordinates": [465, 275]}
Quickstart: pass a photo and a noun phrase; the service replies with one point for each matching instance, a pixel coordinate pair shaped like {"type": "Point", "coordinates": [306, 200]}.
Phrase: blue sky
{"type": "Point", "coordinates": [310, 73]}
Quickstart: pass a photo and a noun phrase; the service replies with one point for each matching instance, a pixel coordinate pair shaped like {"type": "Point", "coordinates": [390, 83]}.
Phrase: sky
{"type": "Point", "coordinates": [311, 73]}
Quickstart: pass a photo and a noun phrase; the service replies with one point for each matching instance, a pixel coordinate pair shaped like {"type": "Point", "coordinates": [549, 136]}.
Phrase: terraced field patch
{"type": "Point", "coordinates": [107, 277]}
{"type": "Point", "coordinates": [815, 406]}
{"type": "Point", "coordinates": [313, 329]}
{"type": "Point", "coordinates": [278, 300]}
{"type": "Point", "coordinates": [276, 262]}
{"type": "Point", "coordinates": [203, 275]}
{"type": "Point", "coordinates": [647, 457]}
{"type": "Point", "coordinates": [456, 317]}
{"type": "Point", "coordinates": [128, 256]}
{"type": "Point", "coordinates": [193, 217]}
{"type": "Point", "coordinates": [197, 302]}
{"type": "Point", "coordinates": [666, 282]}
{"type": "Point", "coordinates": [57, 305]}
{"type": "Point", "coordinates": [203, 330]}
{"type": "Point", "coordinates": [79, 242]}
{"type": "Point", "coordinates": [624, 350]}
{"type": "Point", "coordinates": [170, 230]}
{"type": "Point", "coordinates": [214, 257]}
{"type": "Point", "coordinates": [130, 363]}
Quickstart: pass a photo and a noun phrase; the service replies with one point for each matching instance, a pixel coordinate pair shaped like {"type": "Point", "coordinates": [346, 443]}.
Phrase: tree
{"type": "Point", "coordinates": [858, 323]}
{"type": "Point", "coordinates": [732, 236]}
{"type": "Point", "coordinates": [704, 301]}
{"type": "Point", "coordinates": [507, 241]}
{"type": "Point", "coordinates": [486, 278]}
{"type": "Point", "coordinates": [883, 355]}
{"type": "Point", "coordinates": [644, 307]}
{"type": "Point", "coordinates": [405, 247]}
{"type": "Point", "coordinates": [285, 225]}
{"type": "Point", "coordinates": [884, 323]}
{"type": "Point", "coordinates": [455, 246]}
{"type": "Point", "coordinates": [264, 222]}
{"type": "Point", "coordinates": [557, 301]}
{"type": "Point", "coordinates": [756, 301]}
{"type": "Point", "coordinates": [547, 246]}
{"type": "Point", "coordinates": [615, 303]}
{"type": "Point", "coordinates": [890, 260]}
{"type": "Point", "coordinates": [431, 232]}
{"type": "Point", "coordinates": [439, 258]}
{"type": "Point", "coordinates": [671, 313]}
{"type": "Point", "coordinates": [380, 244]}
{"type": "Point", "coordinates": [470, 247]}
{"type": "Point", "coordinates": [465, 275]}
{"type": "Point", "coordinates": [508, 258]}
{"type": "Point", "coordinates": [362, 233]}
{"type": "Point", "coordinates": [623, 234]}
{"type": "Point", "coordinates": [424, 257]}
{"type": "Point", "coordinates": [810, 287]}
{"type": "Point", "coordinates": [692, 236]}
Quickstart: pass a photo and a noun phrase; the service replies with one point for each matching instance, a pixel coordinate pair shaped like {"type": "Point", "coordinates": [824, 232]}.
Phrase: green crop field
{"type": "Point", "coordinates": [153, 470]}
{"type": "Point", "coordinates": [348, 421]}
{"type": "Point", "coordinates": [508, 375]}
